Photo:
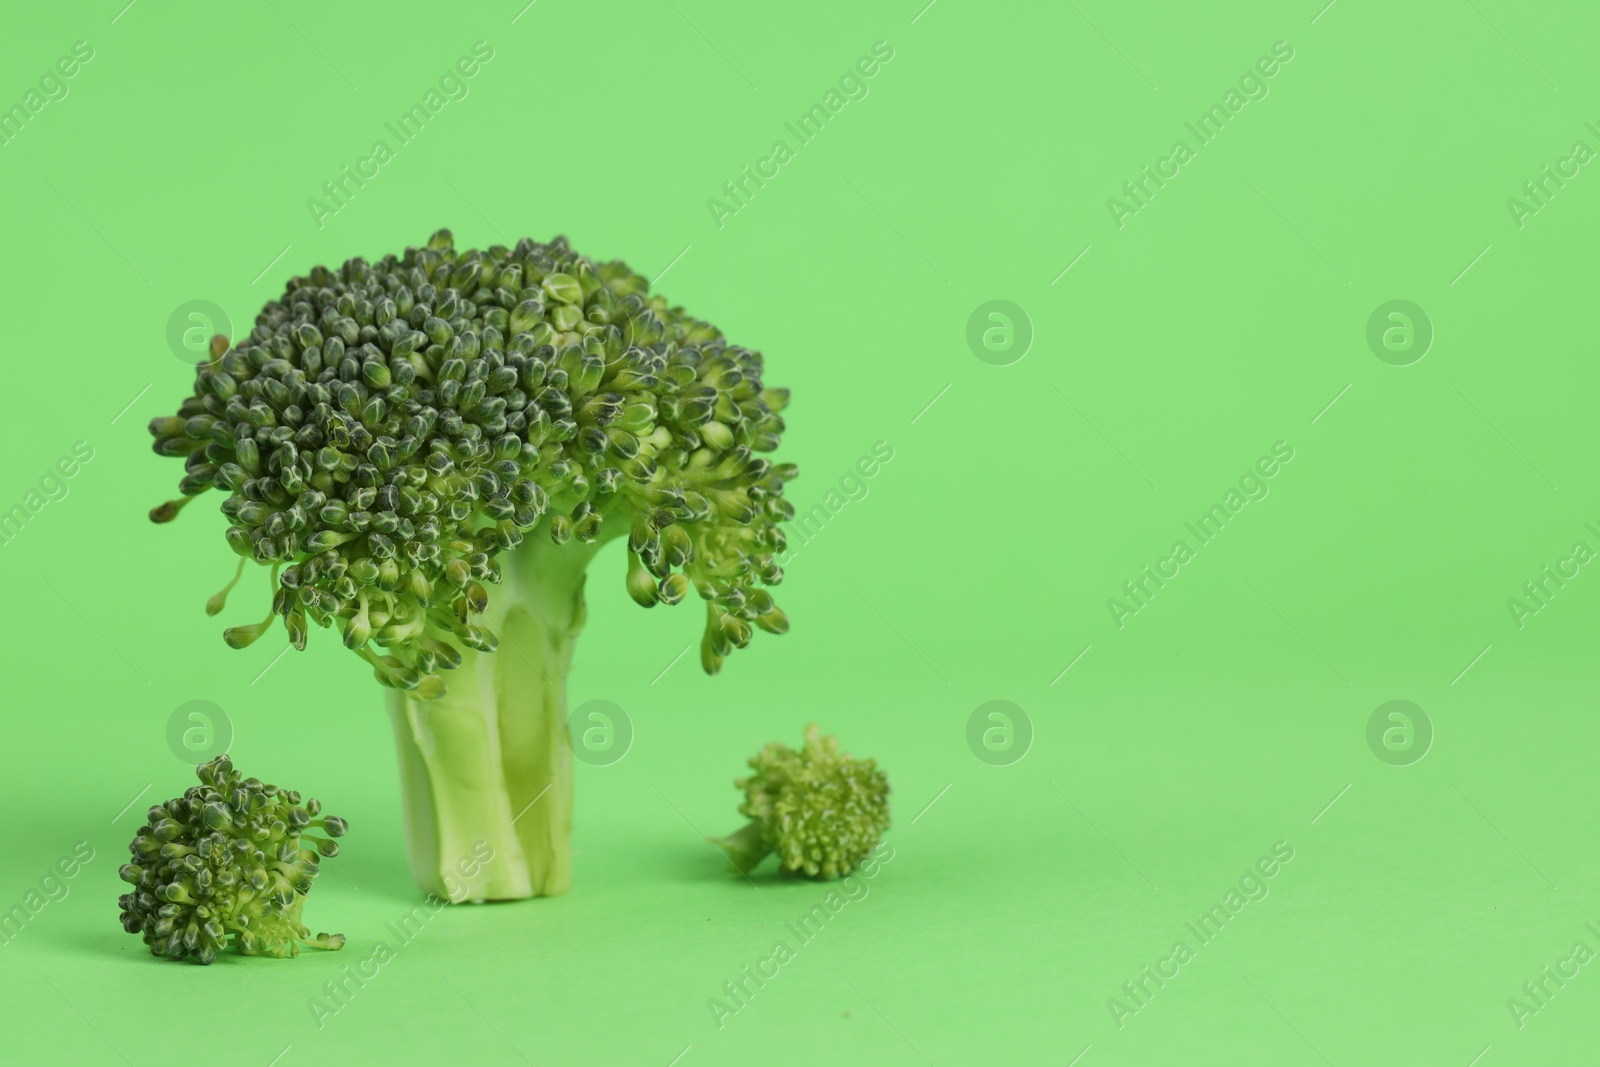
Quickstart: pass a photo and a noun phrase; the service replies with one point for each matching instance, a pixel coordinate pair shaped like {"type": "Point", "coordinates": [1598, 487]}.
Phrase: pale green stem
{"type": "Point", "coordinates": [745, 847]}
{"type": "Point", "coordinates": [486, 770]}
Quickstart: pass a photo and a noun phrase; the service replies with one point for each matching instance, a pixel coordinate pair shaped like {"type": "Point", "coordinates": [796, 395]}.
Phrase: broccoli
{"type": "Point", "coordinates": [231, 858]}
{"type": "Point", "coordinates": [819, 809]}
{"type": "Point", "coordinates": [394, 439]}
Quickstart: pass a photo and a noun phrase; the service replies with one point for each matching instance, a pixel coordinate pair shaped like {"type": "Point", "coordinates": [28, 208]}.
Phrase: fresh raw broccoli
{"type": "Point", "coordinates": [395, 439]}
{"type": "Point", "coordinates": [821, 810]}
{"type": "Point", "coordinates": [230, 860]}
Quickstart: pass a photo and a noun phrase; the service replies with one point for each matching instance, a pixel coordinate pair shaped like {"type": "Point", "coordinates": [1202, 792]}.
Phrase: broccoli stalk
{"type": "Point", "coordinates": [396, 439]}
{"type": "Point", "coordinates": [821, 810]}
{"type": "Point", "coordinates": [490, 760]}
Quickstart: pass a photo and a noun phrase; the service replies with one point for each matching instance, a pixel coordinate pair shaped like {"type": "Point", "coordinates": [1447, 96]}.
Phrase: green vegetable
{"type": "Point", "coordinates": [230, 861]}
{"type": "Point", "coordinates": [819, 809]}
{"type": "Point", "coordinates": [396, 439]}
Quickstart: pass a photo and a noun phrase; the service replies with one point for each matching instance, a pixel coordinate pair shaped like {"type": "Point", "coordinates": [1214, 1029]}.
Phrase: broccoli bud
{"type": "Point", "coordinates": [821, 810]}
{"type": "Point", "coordinates": [386, 459]}
{"type": "Point", "coordinates": [230, 861]}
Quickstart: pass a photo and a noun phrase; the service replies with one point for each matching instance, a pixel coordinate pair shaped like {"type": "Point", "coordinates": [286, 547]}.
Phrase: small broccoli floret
{"type": "Point", "coordinates": [821, 810]}
{"type": "Point", "coordinates": [229, 861]}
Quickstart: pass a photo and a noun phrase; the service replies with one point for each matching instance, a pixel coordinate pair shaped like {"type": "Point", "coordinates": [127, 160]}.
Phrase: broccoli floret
{"type": "Point", "coordinates": [397, 439]}
{"type": "Point", "coordinates": [821, 810]}
{"type": "Point", "coordinates": [230, 860]}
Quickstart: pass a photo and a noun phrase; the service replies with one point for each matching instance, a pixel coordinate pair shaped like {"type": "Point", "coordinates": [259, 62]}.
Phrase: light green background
{"type": "Point", "coordinates": [1224, 317]}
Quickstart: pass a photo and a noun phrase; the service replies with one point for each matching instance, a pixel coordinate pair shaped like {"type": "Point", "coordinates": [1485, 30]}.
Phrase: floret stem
{"type": "Point", "coordinates": [488, 766]}
{"type": "Point", "coordinates": [745, 847]}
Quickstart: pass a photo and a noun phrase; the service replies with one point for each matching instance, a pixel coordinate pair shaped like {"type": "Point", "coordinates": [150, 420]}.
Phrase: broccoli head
{"type": "Point", "coordinates": [821, 810]}
{"type": "Point", "coordinates": [230, 861]}
{"type": "Point", "coordinates": [428, 450]}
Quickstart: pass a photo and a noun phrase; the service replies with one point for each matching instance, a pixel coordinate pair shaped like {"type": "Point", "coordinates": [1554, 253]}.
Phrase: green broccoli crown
{"type": "Point", "coordinates": [387, 430]}
{"type": "Point", "coordinates": [230, 859]}
{"type": "Point", "coordinates": [821, 810]}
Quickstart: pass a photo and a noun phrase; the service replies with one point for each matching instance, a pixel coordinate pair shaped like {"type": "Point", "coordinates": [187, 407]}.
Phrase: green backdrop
{"type": "Point", "coordinates": [1197, 502]}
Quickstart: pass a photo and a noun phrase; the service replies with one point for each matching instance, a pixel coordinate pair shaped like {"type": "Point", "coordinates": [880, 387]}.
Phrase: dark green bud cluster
{"type": "Point", "coordinates": [229, 861]}
{"type": "Point", "coordinates": [388, 429]}
{"type": "Point", "coordinates": [821, 810]}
